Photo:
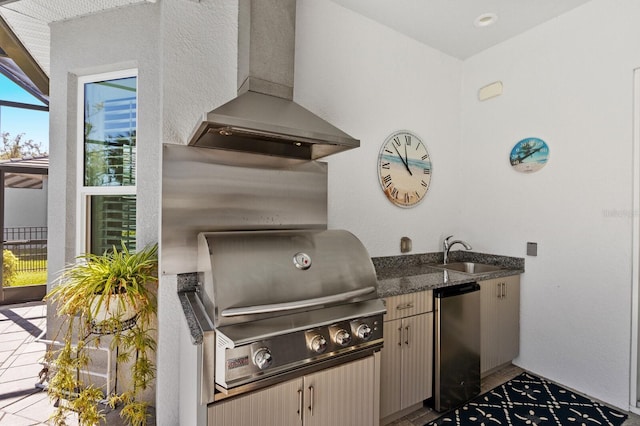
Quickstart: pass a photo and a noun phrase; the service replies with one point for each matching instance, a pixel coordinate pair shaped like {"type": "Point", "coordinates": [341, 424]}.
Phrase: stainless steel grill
{"type": "Point", "coordinates": [285, 303]}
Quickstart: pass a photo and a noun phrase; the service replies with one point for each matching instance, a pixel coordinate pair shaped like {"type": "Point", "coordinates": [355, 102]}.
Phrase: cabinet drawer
{"type": "Point", "coordinates": [406, 305]}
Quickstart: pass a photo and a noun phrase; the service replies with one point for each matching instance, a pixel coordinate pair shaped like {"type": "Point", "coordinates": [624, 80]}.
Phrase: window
{"type": "Point", "coordinates": [107, 161]}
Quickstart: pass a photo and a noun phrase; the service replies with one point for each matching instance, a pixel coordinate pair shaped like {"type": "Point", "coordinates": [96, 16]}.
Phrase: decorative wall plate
{"type": "Point", "coordinates": [529, 155]}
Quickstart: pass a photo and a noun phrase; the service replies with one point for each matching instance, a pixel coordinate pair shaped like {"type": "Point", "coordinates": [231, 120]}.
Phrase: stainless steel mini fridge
{"type": "Point", "coordinates": [457, 345]}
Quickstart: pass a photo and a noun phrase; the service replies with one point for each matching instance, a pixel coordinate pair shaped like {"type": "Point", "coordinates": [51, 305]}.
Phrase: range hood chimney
{"type": "Point", "coordinates": [263, 118]}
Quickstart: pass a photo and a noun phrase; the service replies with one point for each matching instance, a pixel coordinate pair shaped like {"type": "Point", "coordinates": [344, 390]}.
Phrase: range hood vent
{"type": "Point", "coordinates": [263, 119]}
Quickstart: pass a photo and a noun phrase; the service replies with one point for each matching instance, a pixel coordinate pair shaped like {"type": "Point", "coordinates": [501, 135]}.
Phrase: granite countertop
{"type": "Point", "coordinates": [396, 275]}
{"type": "Point", "coordinates": [408, 274]}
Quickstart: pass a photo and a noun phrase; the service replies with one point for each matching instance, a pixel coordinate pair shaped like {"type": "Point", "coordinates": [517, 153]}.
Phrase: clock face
{"type": "Point", "coordinates": [404, 168]}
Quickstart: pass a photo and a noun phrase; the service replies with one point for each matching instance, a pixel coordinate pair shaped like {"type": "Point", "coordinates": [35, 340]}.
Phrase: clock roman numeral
{"type": "Point", "coordinates": [390, 152]}
{"type": "Point", "coordinates": [417, 195]}
{"type": "Point", "coordinates": [386, 165]}
{"type": "Point", "coordinates": [406, 197]}
{"type": "Point", "coordinates": [427, 171]}
{"type": "Point", "coordinates": [424, 157]}
{"type": "Point", "coordinates": [396, 140]}
{"type": "Point", "coordinates": [423, 183]}
{"type": "Point", "coordinates": [386, 180]}
{"type": "Point", "coordinates": [394, 193]}
{"type": "Point", "coordinates": [418, 145]}
{"type": "Point", "coordinates": [407, 140]}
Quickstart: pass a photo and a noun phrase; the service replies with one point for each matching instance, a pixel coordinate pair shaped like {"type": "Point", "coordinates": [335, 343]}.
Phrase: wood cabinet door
{"type": "Point", "coordinates": [510, 319]}
{"type": "Point", "coordinates": [417, 359]}
{"type": "Point", "coordinates": [499, 321]}
{"type": "Point", "coordinates": [489, 324]}
{"type": "Point", "coordinates": [406, 305]}
{"type": "Point", "coordinates": [274, 406]}
{"type": "Point", "coordinates": [343, 395]}
{"type": "Point", "coordinates": [391, 368]}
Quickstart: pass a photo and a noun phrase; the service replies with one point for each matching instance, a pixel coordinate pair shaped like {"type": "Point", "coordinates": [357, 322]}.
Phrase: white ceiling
{"type": "Point", "coordinates": [447, 25]}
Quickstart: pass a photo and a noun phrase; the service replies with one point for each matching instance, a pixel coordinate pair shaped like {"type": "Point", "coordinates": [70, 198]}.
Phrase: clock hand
{"type": "Point", "coordinates": [406, 160]}
{"type": "Point", "coordinates": [402, 159]}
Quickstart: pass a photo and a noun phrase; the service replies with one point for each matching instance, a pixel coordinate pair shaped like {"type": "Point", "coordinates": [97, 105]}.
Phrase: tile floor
{"type": "Point", "coordinates": [21, 403]}
{"type": "Point", "coordinates": [425, 414]}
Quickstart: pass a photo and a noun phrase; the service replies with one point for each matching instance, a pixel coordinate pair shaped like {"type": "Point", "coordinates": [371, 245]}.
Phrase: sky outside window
{"type": "Point", "coordinates": [34, 124]}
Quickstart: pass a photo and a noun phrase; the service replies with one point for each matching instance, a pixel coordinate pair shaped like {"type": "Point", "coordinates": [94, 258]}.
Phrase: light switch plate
{"type": "Point", "coordinates": [532, 249]}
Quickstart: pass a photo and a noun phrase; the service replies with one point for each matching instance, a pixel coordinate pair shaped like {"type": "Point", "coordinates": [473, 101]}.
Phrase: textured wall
{"type": "Point", "coordinates": [90, 45]}
{"type": "Point", "coordinates": [570, 83]}
{"type": "Point", "coordinates": [199, 70]}
{"type": "Point", "coordinates": [370, 81]}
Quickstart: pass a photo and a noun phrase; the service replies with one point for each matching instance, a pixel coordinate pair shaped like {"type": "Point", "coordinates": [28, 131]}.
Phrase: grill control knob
{"type": "Point", "coordinates": [363, 331]}
{"type": "Point", "coordinates": [262, 358]}
{"type": "Point", "coordinates": [318, 344]}
{"type": "Point", "coordinates": [342, 338]}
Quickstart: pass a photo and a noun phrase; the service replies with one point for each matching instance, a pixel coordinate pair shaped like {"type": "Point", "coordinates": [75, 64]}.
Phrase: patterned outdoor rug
{"type": "Point", "coordinates": [530, 400]}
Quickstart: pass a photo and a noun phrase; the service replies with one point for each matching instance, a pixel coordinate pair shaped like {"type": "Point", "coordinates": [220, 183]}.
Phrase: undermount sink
{"type": "Point", "coordinates": [470, 267]}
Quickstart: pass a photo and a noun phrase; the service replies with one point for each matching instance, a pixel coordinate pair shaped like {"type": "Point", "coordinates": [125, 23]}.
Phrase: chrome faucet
{"type": "Point", "coordinates": [446, 246]}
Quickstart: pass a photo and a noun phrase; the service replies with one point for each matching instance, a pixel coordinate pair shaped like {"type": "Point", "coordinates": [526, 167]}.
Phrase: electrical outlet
{"type": "Point", "coordinates": [405, 245]}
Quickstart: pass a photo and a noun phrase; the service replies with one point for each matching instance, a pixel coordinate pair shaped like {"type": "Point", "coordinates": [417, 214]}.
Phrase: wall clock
{"type": "Point", "coordinates": [404, 168]}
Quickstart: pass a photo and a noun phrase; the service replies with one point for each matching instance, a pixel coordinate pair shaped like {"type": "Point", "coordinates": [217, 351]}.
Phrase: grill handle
{"type": "Point", "coordinates": [288, 306]}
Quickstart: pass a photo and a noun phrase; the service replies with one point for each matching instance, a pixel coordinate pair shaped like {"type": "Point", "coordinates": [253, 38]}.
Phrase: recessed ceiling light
{"type": "Point", "coordinates": [485, 20]}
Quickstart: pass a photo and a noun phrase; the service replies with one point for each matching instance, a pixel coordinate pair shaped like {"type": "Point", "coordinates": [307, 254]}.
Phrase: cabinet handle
{"type": "Point", "coordinates": [504, 290]}
{"type": "Point", "coordinates": [300, 392]}
{"type": "Point", "coordinates": [403, 306]}
{"type": "Point", "coordinates": [400, 336]}
{"type": "Point", "coordinates": [407, 341]}
{"type": "Point", "coordinates": [311, 400]}
{"type": "Point", "coordinates": [499, 290]}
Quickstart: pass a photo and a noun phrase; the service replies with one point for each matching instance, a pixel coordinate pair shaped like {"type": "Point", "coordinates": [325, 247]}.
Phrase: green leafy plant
{"type": "Point", "coordinates": [9, 267]}
{"type": "Point", "coordinates": [92, 297]}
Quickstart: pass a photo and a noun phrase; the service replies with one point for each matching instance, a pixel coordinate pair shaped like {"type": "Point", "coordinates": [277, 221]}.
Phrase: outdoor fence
{"type": "Point", "coordinates": [29, 245]}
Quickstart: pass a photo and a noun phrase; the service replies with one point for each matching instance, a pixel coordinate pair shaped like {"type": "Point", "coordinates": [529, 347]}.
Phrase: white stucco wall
{"type": "Point", "coordinates": [199, 42]}
{"type": "Point", "coordinates": [25, 207]}
{"type": "Point", "coordinates": [369, 81]}
{"type": "Point", "coordinates": [568, 82]}
{"type": "Point", "coordinates": [110, 41]}
{"type": "Point", "coordinates": [115, 40]}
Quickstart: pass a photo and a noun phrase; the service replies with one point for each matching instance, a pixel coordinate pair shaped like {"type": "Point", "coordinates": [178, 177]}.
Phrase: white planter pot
{"type": "Point", "coordinates": [113, 306]}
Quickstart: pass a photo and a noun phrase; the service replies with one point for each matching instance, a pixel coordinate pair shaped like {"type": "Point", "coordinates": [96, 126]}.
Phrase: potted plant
{"type": "Point", "coordinates": [112, 295]}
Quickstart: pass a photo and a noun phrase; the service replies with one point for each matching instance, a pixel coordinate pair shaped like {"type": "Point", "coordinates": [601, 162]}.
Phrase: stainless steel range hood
{"type": "Point", "coordinates": [263, 118]}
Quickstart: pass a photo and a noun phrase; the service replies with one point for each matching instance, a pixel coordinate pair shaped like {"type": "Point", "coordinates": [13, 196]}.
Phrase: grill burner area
{"type": "Point", "coordinates": [286, 303]}
{"type": "Point", "coordinates": [267, 357]}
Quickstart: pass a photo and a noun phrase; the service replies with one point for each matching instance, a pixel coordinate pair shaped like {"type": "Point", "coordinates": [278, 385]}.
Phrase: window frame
{"type": "Point", "coordinates": [84, 193]}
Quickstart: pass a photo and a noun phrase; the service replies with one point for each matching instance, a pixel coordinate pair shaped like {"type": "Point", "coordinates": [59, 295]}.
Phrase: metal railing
{"type": "Point", "coordinates": [29, 245]}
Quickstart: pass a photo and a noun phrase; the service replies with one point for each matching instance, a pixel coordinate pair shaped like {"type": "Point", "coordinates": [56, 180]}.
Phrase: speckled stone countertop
{"type": "Point", "coordinates": [187, 285]}
{"type": "Point", "coordinates": [412, 273]}
{"type": "Point", "coordinates": [396, 275]}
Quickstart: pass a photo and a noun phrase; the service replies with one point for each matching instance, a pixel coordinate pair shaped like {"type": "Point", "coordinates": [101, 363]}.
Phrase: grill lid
{"type": "Point", "coordinates": [262, 274]}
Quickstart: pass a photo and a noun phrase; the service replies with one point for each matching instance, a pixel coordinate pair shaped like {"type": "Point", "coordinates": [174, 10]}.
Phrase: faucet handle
{"type": "Point", "coordinates": [448, 238]}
